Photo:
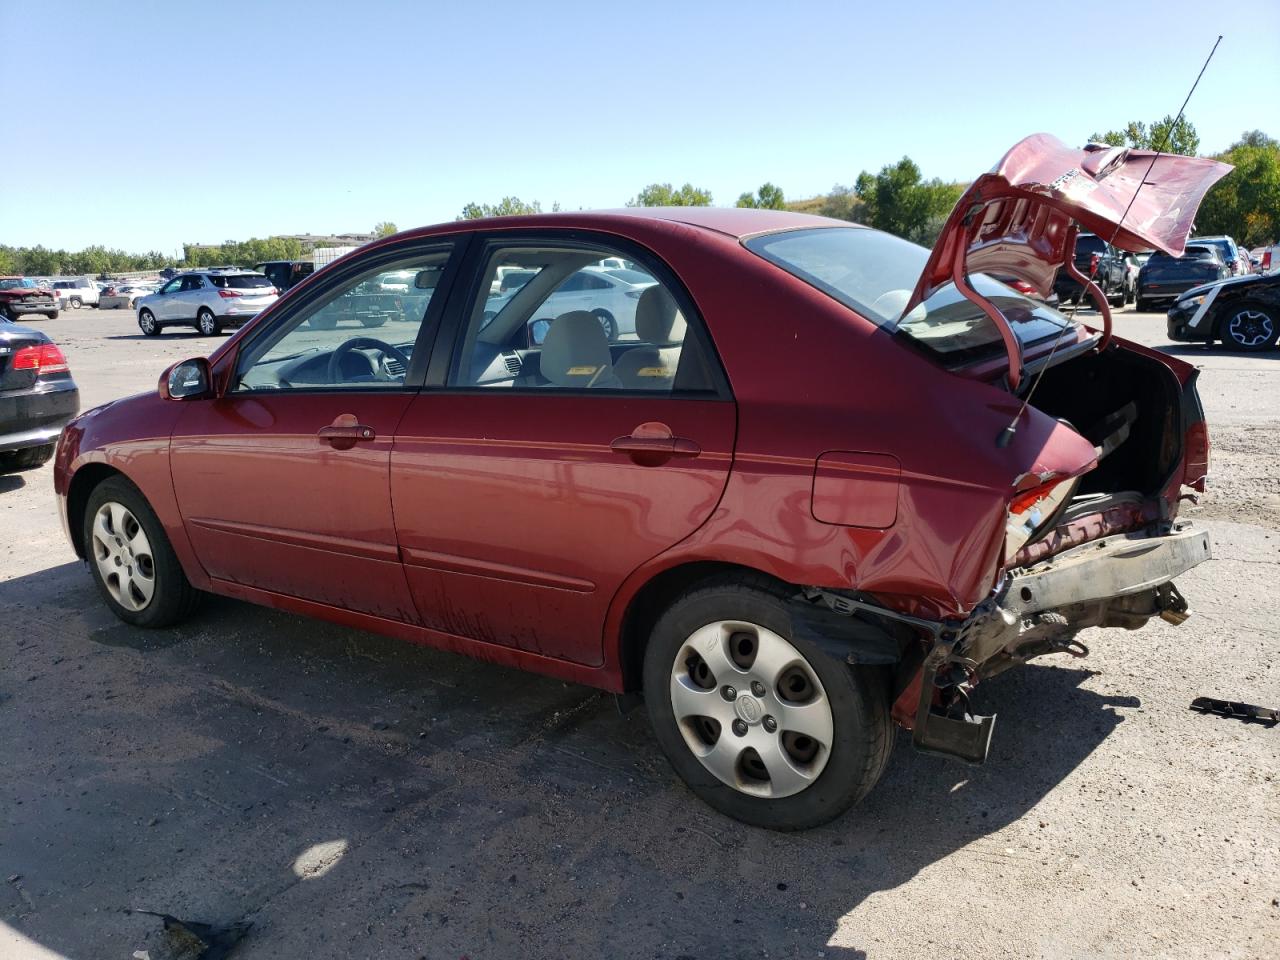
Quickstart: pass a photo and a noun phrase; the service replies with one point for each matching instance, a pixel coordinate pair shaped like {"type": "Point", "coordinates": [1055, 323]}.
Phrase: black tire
{"type": "Point", "coordinates": [607, 321]}
{"type": "Point", "coordinates": [174, 598]}
{"type": "Point", "coordinates": [1129, 293]}
{"type": "Point", "coordinates": [862, 730]}
{"type": "Point", "coordinates": [75, 303]}
{"type": "Point", "coordinates": [147, 323]}
{"type": "Point", "coordinates": [374, 321]}
{"type": "Point", "coordinates": [1249, 326]}
{"type": "Point", "coordinates": [1142, 306]}
{"type": "Point", "coordinates": [207, 324]}
{"type": "Point", "coordinates": [52, 316]}
{"type": "Point", "coordinates": [15, 461]}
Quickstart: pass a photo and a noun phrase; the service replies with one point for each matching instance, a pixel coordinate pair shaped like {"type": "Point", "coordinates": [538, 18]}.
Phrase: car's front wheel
{"type": "Point", "coordinates": [131, 559]}
{"type": "Point", "coordinates": [147, 323]}
{"type": "Point", "coordinates": [1250, 327]}
{"type": "Point", "coordinates": [760, 724]}
{"type": "Point", "coordinates": [207, 323]}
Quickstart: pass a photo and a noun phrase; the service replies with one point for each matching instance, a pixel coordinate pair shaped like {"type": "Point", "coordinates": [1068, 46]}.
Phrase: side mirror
{"type": "Point", "coordinates": [538, 331]}
{"type": "Point", "coordinates": [187, 380]}
{"type": "Point", "coordinates": [427, 279]}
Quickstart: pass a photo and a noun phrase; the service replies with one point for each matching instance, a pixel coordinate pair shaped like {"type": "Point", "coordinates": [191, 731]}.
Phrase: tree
{"type": "Point", "coordinates": [506, 207]}
{"type": "Point", "coordinates": [1245, 204]}
{"type": "Point", "coordinates": [900, 201]}
{"type": "Point", "coordinates": [664, 195]}
{"type": "Point", "coordinates": [1161, 135]}
{"type": "Point", "coordinates": [384, 229]}
{"type": "Point", "coordinates": [768, 197]}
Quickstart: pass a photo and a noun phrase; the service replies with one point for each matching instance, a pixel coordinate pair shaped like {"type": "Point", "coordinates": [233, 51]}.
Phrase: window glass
{"type": "Point", "coordinates": [558, 321]}
{"type": "Point", "coordinates": [241, 281]}
{"type": "Point", "coordinates": [360, 335]}
{"type": "Point", "coordinates": [191, 283]}
{"type": "Point", "coordinates": [171, 286]}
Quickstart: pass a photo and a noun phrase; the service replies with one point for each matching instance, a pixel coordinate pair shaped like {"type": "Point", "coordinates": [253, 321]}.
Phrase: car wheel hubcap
{"type": "Point", "coordinates": [123, 555]}
{"type": "Point", "coordinates": [751, 709]}
{"type": "Point", "coordinates": [206, 325]}
{"type": "Point", "coordinates": [1251, 328]}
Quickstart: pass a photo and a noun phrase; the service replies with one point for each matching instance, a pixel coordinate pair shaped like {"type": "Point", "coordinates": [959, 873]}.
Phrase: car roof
{"type": "Point", "coordinates": [737, 222]}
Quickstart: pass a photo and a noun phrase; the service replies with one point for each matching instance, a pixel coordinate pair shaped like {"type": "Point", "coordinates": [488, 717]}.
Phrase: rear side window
{"type": "Point", "coordinates": [246, 281]}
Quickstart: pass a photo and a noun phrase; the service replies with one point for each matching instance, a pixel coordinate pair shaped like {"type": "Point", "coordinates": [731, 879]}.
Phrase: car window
{"type": "Point", "coordinates": [360, 335]}
{"type": "Point", "coordinates": [567, 327]}
{"type": "Point", "coordinates": [191, 283]}
{"type": "Point", "coordinates": [241, 281]}
{"type": "Point", "coordinates": [171, 286]}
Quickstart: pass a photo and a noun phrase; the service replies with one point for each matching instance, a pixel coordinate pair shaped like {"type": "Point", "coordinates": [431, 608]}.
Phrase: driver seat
{"type": "Point", "coordinates": [575, 353]}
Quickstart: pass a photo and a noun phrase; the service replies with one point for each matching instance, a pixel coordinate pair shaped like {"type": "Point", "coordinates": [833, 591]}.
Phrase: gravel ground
{"type": "Point", "coordinates": [358, 797]}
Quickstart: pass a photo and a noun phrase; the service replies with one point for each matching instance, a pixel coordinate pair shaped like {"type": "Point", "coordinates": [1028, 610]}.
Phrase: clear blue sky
{"type": "Point", "coordinates": [143, 125]}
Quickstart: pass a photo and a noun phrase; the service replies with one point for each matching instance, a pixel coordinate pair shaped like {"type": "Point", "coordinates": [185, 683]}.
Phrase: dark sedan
{"type": "Point", "coordinates": [1164, 278]}
{"type": "Point", "coordinates": [37, 397]}
{"type": "Point", "coordinates": [1243, 312]}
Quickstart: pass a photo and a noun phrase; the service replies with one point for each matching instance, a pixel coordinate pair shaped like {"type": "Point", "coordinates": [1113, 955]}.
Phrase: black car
{"type": "Point", "coordinates": [1165, 278]}
{"type": "Point", "coordinates": [1242, 312]}
{"type": "Point", "coordinates": [37, 397]}
{"type": "Point", "coordinates": [286, 273]}
{"type": "Point", "coordinates": [1101, 262]}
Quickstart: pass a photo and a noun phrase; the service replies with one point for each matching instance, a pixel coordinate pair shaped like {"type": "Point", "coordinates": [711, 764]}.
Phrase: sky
{"type": "Point", "coordinates": [142, 126]}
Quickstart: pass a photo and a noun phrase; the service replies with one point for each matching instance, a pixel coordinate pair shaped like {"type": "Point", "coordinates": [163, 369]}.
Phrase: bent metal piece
{"type": "Point", "coordinates": [1248, 712]}
{"type": "Point", "coordinates": [1095, 293]}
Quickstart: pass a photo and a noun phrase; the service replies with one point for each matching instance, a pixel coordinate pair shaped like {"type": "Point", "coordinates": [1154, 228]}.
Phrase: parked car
{"type": "Point", "coordinates": [285, 274]}
{"type": "Point", "coordinates": [23, 297]}
{"type": "Point", "coordinates": [124, 295]}
{"type": "Point", "coordinates": [37, 397]}
{"type": "Point", "coordinates": [610, 295]}
{"type": "Point", "coordinates": [1268, 258]}
{"type": "Point", "coordinates": [209, 300]}
{"type": "Point", "coordinates": [1242, 312]}
{"type": "Point", "coordinates": [1228, 252]}
{"type": "Point", "coordinates": [1164, 278]}
{"type": "Point", "coordinates": [810, 500]}
{"type": "Point", "coordinates": [1097, 260]}
{"type": "Point", "coordinates": [75, 292]}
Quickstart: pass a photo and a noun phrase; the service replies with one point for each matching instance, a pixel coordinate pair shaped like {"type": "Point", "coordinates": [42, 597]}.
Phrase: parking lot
{"type": "Point", "coordinates": [354, 796]}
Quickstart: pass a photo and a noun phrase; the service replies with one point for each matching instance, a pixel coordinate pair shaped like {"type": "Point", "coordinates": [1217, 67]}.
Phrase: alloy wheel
{"type": "Point", "coordinates": [123, 555]}
{"type": "Point", "coordinates": [1251, 328]}
{"type": "Point", "coordinates": [751, 709]}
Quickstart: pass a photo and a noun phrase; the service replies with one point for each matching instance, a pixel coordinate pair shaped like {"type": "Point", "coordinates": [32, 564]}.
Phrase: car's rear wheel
{"type": "Point", "coordinates": [14, 461]}
{"type": "Point", "coordinates": [376, 321]}
{"type": "Point", "coordinates": [607, 321]}
{"type": "Point", "coordinates": [207, 323]}
{"type": "Point", "coordinates": [131, 559]}
{"type": "Point", "coordinates": [75, 303]}
{"type": "Point", "coordinates": [147, 323]}
{"type": "Point", "coordinates": [1142, 306]}
{"type": "Point", "coordinates": [53, 315]}
{"type": "Point", "coordinates": [1250, 327]}
{"type": "Point", "coordinates": [760, 724]}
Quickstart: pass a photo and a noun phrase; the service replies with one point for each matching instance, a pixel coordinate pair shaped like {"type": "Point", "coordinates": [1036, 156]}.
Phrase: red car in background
{"type": "Point", "coordinates": [813, 496]}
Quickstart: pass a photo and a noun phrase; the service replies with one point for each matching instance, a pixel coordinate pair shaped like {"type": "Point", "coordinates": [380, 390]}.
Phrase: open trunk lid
{"type": "Point", "coordinates": [1021, 219]}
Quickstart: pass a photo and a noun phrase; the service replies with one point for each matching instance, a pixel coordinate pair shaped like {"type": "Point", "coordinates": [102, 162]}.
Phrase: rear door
{"type": "Point", "coordinates": [528, 480]}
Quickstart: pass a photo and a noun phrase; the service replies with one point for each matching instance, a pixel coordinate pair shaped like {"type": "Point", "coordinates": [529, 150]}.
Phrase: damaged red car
{"type": "Point", "coordinates": [794, 481]}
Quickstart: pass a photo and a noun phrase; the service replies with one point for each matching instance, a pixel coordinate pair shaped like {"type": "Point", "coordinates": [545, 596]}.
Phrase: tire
{"type": "Point", "coordinates": [321, 321]}
{"type": "Point", "coordinates": [171, 598]}
{"type": "Point", "coordinates": [1249, 327]}
{"type": "Point", "coordinates": [1129, 293]}
{"type": "Point", "coordinates": [608, 322]}
{"type": "Point", "coordinates": [75, 303]}
{"type": "Point", "coordinates": [1142, 306]}
{"type": "Point", "coordinates": [15, 461]}
{"type": "Point", "coordinates": [817, 784]}
{"type": "Point", "coordinates": [52, 316]}
{"type": "Point", "coordinates": [147, 323]}
{"type": "Point", "coordinates": [374, 321]}
{"type": "Point", "coordinates": [207, 323]}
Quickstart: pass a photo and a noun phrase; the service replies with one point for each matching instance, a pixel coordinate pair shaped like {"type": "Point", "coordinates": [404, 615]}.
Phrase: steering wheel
{"type": "Point", "coordinates": [361, 343]}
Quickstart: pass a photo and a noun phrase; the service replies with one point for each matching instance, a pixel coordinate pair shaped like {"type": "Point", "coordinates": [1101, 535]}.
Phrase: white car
{"type": "Point", "coordinates": [609, 293]}
{"type": "Point", "coordinates": [124, 295]}
{"type": "Point", "coordinates": [76, 292]}
{"type": "Point", "coordinates": [209, 300]}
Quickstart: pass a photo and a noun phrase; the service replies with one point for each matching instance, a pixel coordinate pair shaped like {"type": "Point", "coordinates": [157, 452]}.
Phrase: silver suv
{"type": "Point", "coordinates": [209, 300]}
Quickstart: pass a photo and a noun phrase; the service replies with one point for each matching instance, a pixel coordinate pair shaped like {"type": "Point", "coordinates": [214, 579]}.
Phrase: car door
{"type": "Point", "coordinates": [166, 297]}
{"type": "Point", "coordinates": [283, 480]}
{"type": "Point", "coordinates": [529, 481]}
{"type": "Point", "coordinates": [189, 298]}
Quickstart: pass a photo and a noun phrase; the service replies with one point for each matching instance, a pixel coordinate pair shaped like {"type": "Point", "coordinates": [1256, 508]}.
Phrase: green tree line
{"type": "Point", "coordinates": [93, 261]}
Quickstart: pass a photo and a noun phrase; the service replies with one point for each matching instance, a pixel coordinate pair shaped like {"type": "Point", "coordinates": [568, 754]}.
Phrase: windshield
{"type": "Point", "coordinates": [17, 284]}
{"type": "Point", "coordinates": [1192, 253]}
{"type": "Point", "coordinates": [874, 273]}
{"type": "Point", "coordinates": [1090, 243]}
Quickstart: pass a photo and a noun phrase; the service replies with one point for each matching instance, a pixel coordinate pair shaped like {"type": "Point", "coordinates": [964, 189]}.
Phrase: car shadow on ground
{"type": "Point", "coordinates": [167, 335]}
{"type": "Point", "coordinates": [11, 481]}
{"type": "Point", "coordinates": [356, 795]}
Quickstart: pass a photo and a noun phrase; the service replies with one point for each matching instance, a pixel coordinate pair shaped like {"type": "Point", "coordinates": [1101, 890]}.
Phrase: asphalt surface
{"type": "Point", "coordinates": [354, 796]}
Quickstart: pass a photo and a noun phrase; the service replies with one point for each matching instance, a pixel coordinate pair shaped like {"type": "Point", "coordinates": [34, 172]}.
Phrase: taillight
{"type": "Point", "coordinates": [1093, 264]}
{"type": "Point", "coordinates": [229, 294]}
{"type": "Point", "coordinates": [43, 359]}
{"type": "Point", "coordinates": [1266, 260]}
{"type": "Point", "coordinates": [1196, 444]}
{"type": "Point", "coordinates": [1024, 288]}
{"type": "Point", "coordinates": [1031, 509]}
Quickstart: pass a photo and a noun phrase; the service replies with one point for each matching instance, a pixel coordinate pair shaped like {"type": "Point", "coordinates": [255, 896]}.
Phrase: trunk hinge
{"type": "Point", "coordinates": [1091, 288]}
{"type": "Point", "coordinates": [1012, 345]}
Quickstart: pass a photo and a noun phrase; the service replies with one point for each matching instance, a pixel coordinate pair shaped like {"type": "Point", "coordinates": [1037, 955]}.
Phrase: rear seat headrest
{"type": "Point", "coordinates": [658, 319]}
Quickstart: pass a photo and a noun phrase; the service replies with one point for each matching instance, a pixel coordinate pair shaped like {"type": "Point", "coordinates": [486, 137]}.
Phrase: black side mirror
{"type": "Point", "coordinates": [427, 279]}
{"type": "Point", "coordinates": [188, 380]}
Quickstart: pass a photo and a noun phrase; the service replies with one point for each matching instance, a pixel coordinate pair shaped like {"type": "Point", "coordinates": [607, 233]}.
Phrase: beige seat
{"type": "Point", "coordinates": [660, 326]}
{"type": "Point", "coordinates": [575, 352]}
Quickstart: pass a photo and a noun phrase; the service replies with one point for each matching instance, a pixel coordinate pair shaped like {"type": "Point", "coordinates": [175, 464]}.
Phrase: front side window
{"type": "Point", "coordinates": [170, 287]}
{"type": "Point", "coordinates": [558, 321]}
{"type": "Point", "coordinates": [358, 336]}
{"type": "Point", "coordinates": [875, 273]}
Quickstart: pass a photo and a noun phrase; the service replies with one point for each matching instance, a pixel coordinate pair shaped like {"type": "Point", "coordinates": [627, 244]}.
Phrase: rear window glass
{"type": "Point", "coordinates": [242, 281]}
{"type": "Point", "coordinates": [874, 273]}
{"type": "Point", "coordinates": [1090, 244]}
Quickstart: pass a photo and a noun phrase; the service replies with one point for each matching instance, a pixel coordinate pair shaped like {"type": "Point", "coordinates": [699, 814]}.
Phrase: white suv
{"type": "Point", "coordinates": [76, 292]}
{"type": "Point", "coordinates": [209, 300]}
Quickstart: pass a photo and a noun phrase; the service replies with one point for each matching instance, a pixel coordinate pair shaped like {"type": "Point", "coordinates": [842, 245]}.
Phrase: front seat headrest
{"type": "Point", "coordinates": [658, 319]}
{"type": "Point", "coordinates": [575, 352]}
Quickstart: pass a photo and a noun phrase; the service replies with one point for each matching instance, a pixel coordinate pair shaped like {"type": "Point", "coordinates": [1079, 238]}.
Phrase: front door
{"type": "Point", "coordinates": [533, 478]}
{"type": "Point", "coordinates": [283, 481]}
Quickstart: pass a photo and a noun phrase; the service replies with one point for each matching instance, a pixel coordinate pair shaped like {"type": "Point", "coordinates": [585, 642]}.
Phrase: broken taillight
{"type": "Point", "coordinates": [1196, 444]}
{"type": "Point", "coordinates": [1033, 505]}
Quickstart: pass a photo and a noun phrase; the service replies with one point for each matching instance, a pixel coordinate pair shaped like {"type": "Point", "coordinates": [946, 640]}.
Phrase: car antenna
{"type": "Point", "coordinates": [1006, 435]}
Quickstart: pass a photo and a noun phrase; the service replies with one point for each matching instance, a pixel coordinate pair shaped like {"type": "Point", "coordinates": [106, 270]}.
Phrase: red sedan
{"type": "Point", "coordinates": [830, 482]}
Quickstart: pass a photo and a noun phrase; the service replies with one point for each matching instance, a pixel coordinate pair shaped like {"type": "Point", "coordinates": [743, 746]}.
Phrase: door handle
{"type": "Point", "coordinates": [651, 444]}
{"type": "Point", "coordinates": [345, 432]}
